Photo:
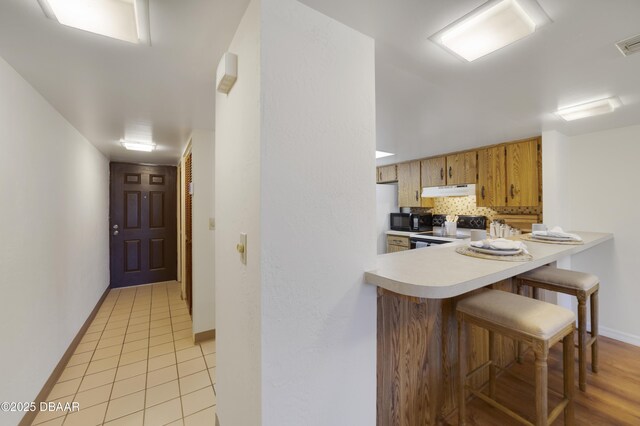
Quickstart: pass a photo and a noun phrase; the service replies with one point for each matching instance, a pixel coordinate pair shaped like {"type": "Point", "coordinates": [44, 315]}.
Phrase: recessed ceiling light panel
{"type": "Point", "coordinates": [126, 20]}
{"type": "Point", "coordinates": [629, 46]}
{"type": "Point", "coordinates": [589, 109]}
{"type": "Point", "coordinates": [382, 154]}
{"type": "Point", "coordinates": [138, 146]}
{"type": "Point", "coordinates": [490, 27]}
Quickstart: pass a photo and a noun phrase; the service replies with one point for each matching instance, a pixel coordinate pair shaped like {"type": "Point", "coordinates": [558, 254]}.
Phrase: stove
{"type": "Point", "coordinates": [437, 237]}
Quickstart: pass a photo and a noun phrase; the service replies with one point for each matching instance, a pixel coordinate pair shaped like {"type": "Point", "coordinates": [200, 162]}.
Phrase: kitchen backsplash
{"type": "Point", "coordinates": [467, 206]}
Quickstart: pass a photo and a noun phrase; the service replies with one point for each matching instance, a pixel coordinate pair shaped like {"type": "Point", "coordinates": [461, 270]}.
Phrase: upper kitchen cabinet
{"type": "Point", "coordinates": [387, 174]}
{"type": "Point", "coordinates": [409, 184]}
{"type": "Point", "coordinates": [461, 168]}
{"type": "Point", "coordinates": [509, 175]}
{"type": "Point", "coordinates": [434, 171]}
{"type": "Point", "coordinates": [491, 186]}
{"type": "Point", "coordinates": [523, 173]}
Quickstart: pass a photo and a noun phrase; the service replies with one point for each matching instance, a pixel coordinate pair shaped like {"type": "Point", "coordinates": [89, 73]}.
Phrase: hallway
{"type": "Point", "coordinates": [137, 365]}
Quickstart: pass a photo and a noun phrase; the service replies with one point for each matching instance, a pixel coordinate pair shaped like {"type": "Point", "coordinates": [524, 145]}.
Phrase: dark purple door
{"type": "Point", "coordinates": [142, 215]}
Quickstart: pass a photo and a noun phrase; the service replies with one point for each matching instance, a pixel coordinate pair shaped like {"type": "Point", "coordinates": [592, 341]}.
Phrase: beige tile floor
{"type": "Point", "coordinates": [137, 365]}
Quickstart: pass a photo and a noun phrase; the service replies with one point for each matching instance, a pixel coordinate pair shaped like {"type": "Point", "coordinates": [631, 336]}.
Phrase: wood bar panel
{"type": "Point", "coordinates": [417, 357]}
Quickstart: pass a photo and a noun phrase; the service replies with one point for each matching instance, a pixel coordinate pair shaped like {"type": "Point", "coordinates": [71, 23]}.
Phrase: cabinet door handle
{"type": "Point", "coordinates": [441, 173]}
{"type": "Point", "coordinates": [417, 197]}
{"type": "Point", "coordinates": [482, 192]}
{"type": "Point", "coordinates": [450, 172]}
{"type": "Point", "coordinates": [380, 176]}
{"type": "Point", "coordinates": [512, 194]}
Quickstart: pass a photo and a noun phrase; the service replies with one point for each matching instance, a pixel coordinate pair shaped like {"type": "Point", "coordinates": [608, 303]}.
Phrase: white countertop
{"type": "Point", "coordinates": [439, 272]}
{"type": "Point", "coordinates": [402, 233]}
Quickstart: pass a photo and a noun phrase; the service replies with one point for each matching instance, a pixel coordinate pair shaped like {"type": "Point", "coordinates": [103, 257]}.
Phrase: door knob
{"type": "Point", "coordinates": [115, 226]}
{"type": "Point", "coordinates": [115, 232]}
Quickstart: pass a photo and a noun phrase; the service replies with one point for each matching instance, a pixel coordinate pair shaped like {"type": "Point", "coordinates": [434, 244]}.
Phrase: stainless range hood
{"type": "Point", "coordinates": [449, 191]}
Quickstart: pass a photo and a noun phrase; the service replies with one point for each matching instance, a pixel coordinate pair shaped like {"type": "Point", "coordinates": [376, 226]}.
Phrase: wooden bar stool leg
{"type": "Point", "coordinates": [594, 331]}
{"type": "Point", "coordinates": [462, 371]}
{"type": "Point", "coordinates": [519, 344]}
{"type": "Point", "coordinates": [582, 340]}
{"type": "Point", "coordinates": [567, 366]}
{"type": "Point", "coordinates": [542, 405]}
{"type": "Point", "coordinates": [492, 367]}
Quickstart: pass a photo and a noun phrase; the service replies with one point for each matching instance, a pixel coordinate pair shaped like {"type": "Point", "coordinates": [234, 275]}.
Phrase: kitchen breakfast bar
{"type": "Point", "coordinates": [417, 342]}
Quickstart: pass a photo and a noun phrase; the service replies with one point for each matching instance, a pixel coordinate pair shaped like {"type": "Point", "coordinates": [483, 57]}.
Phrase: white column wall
{"type": "Point", "coordinates": [237, 200]}
{"type": "Point", "coordinates": [317, 220]}
{"type": "Point", "coordinates": [295, 170]}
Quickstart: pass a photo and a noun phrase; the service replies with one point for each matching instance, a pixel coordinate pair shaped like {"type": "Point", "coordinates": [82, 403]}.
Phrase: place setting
{"type": "Point", "coordinates": [501, 249]}
{"type": "Point", "coordinates": [556, 235]}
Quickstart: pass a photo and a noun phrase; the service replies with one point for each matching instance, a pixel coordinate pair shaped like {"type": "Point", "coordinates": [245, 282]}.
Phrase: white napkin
{"type": "Point", "coordinates": [557, 232]}
{"type": "Point", "coordinates": [499, 244]}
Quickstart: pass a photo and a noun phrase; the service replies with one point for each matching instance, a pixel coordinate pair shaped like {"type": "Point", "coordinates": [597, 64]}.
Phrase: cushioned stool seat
{"type": "Point", "coordinates": [581, 285]}
{"type": "Point", "coordinates": [520, 314]}
{"type": "Point", "coordinates": [537, 323]}
{"type": "Point", "coordinates": [561, 278]}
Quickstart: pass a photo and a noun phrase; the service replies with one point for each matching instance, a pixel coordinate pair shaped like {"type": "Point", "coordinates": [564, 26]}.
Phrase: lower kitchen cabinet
{"type": "Point", "coordinates": [397, 243]}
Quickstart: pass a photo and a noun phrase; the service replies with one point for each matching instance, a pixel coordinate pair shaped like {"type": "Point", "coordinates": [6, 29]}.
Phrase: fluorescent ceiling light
{"type": "Point", "coordinates": [126, 20]}
{"type": "Point", "coordinates": [382, 154]}
{"type": "Point", "coordinates": [589, 109]}
{"type": "Point", "coordinates": [490, 27]}
{"type": "Point", "coordinates": [137, 146]}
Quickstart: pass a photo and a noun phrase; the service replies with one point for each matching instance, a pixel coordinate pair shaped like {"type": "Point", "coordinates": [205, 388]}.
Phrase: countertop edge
{"type": "Point", "coordinates": [445, 292]}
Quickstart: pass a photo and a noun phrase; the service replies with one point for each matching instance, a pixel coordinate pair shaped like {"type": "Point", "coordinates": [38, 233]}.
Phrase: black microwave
{"type": "Point", "coordinates": [410, 222]}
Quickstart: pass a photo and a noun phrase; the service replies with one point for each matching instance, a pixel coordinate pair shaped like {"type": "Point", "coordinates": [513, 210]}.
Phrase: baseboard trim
{"type": "Point", "coordinates": [204, 335]}
{"type": "Point", "coordinates": [619, 335]}
{"type": "Point", "coordinates": [30, 416]}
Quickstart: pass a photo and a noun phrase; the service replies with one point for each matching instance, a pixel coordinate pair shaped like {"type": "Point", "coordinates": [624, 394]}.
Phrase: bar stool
{"type": "Point", "coordinates": [532, 321]}
{"type": "Point", "coordinates": [581, 285]}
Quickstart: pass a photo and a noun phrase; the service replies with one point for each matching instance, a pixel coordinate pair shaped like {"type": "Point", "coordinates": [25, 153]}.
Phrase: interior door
{"type": "Point", "coordinates": [143, 225]}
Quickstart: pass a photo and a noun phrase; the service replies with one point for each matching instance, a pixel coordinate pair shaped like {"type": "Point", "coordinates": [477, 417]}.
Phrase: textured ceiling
{"type": "Point", "coordinates": [109, 89]}
{"type": "Point", "coordinates": [428, 102]}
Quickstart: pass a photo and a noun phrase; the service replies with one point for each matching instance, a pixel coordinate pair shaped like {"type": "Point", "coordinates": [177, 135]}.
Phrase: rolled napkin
{"type": "Point", "coordinates": [499, 244]}
{"type": "Point", "coordinates": [557, 232]}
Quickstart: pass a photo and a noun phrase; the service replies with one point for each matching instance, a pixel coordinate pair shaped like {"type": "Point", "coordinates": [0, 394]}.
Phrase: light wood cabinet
{"type": "Point", "coordinates": [387, 174]}
{"type": "Point", "coordinates": [509, 175]}
{"type": "Point", "coordinates": [461, 168]}
{"type": "Point", "coordinates": [434, 171]}
{"type": "Point", "coordinates": [409, 184]}
{"type": "Point", "coordinates": [522, 174]}
{"type": "Point", "coordinates": [455, 169]}
{"type": "Point", "coordinates": [491, 185]}
{"type": "Point", "coordinates": [397, 243]}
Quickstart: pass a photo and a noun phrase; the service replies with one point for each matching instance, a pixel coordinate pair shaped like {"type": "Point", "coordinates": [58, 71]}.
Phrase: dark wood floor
{"type": "Point", "coordinates": [612, 396]}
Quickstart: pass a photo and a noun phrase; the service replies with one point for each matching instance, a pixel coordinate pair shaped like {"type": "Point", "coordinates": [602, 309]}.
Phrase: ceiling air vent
{"type": "Point", "coordinates": [629, 46]}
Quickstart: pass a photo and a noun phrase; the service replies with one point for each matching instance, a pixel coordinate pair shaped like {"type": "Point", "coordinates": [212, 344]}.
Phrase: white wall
{"type": "Point", "coordinates": [237, 200]}
{"type": "Point", "coordinates": [54, 256]}
{"type": "Point", "coordinates": [386, 202]}
{"type": "Point", "coordinates": [602, 196]}
{"type": "Point", "coordinates": [318, 172]}
{"type": "Point", "coordinates": [295, 169]}
{"type": "Point", "coordinates": [202, 148]}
